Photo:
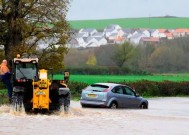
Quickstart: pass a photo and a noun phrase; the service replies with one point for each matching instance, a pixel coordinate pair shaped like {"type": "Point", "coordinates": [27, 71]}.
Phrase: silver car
{"type": "Point", "coordinates": [112, 95]}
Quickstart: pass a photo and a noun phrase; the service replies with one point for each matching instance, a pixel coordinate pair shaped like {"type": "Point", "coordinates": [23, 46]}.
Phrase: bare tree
{"type": "Point", "coordinates": [123, 53]}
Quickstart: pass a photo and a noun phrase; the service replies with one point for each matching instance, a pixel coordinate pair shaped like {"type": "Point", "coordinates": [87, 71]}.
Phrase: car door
{"type": "Point", "coordinates": [131, 101]}
{"type": "Point", "coordinates": [119, 95]}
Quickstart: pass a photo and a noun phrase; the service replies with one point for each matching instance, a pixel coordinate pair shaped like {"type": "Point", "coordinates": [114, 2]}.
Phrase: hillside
{"type": "Point", "coordinates": [153, 22]}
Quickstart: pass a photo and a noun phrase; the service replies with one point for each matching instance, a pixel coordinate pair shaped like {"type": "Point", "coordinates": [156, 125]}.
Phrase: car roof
{"type": "Point", "coordinates": [108, 84]}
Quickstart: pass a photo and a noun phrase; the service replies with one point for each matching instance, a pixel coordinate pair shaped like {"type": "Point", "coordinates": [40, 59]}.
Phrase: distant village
{"type": "Point", "coordinates": [114, 34]}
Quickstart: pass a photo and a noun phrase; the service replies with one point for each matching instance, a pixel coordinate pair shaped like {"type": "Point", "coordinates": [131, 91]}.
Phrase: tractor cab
{"type": "Point", "coordinates": [25, 70]}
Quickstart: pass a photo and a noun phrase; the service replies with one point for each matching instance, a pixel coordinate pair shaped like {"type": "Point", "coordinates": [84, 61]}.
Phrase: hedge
{"type": "Point", "coordinates": [103, 71]}
{"type": "Point", "coordinates": [144, 88]}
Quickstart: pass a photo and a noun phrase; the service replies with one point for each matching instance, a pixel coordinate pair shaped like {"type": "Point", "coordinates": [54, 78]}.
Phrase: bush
{"type": "Point", "coordinates": [3, 96]}
{"type": "Point", "coordinates": [76, 88]}
{"type": "Point", "coordinates": [165, 88]}
{"type": "Point", "coordinates": [103, 71]}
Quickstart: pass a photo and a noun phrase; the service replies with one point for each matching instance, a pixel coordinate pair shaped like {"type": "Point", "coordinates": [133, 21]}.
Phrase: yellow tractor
{"type": "Point", "coordinates": [33, 90]}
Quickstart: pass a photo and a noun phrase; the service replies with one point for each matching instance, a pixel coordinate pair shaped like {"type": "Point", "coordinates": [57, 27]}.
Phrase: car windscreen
{"type": "Point", "coordinates": [25, 70]}
{"type": "Point", "coordinates": [97, 87]}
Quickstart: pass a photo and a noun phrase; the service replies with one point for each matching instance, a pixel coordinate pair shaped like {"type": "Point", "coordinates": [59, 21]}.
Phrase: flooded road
{"type": "Point", "coordinates": [165, 116]}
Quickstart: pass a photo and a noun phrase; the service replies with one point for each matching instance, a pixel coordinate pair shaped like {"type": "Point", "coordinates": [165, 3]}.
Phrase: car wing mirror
{"type": "Point", "coordinates": [137, 95]}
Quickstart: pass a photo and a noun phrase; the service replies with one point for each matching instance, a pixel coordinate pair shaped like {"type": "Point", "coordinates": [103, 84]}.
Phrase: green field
{"type": "Point", "coordinates": [130, 78]}
{"type": "Point", "coordinates": [161, 22]}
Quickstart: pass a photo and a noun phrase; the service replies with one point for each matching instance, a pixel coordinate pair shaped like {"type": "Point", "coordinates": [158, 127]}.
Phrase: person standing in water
{"type": "Point", "coordinates": [6, 77]}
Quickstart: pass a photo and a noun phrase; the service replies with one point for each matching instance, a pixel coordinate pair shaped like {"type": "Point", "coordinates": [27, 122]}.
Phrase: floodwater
{"type": "Point", "coordinates": [168, 116]}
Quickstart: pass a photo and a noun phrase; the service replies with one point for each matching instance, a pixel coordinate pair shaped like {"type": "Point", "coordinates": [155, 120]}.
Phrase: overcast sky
{"type": "Point", "coordinates": [105, 9]}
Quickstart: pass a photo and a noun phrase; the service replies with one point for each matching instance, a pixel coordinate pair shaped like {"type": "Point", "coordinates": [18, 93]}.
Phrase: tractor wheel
{"type": "Point", "coordinates": [17, 102]}
{"type": "Point", "coordinates": [65, 103]}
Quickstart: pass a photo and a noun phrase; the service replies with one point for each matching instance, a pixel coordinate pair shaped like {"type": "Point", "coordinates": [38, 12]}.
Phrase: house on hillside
{"type": "Point", "coordinates": [95, 41]}
{"type": "Point", "coordinates": [169, 35]}
{"type": "Point", "coordinates": [135, 39]}
{"type": "Point", "coordinates": [154, 33]}
{"type": "Point", "coordinates": [101, 41]}
{"type": "Point", "coordinates": [146, 32]}
{"type": "Point", "coordinates": [127, 33]}
{"type": "Point", "coordinates": [88, 31]}
{"type": "Point", "coordinates": [80, 35]}
{"type": "Point", "coordinates": [98, 34]}
{"type": "Point", "coordinates": [115, 38]}
{"type": "Point", "coordinates": [111, 38]}
{"type": "Point", "coordinates": [181, 32]}
{"type": "Point", "coordinates": [80, 39]}
{"type": "Point", "coordinates": [120, 33]}
{"type": "Point", "coordinates": [109, 32]}
{"type": "Point", "coordinates": [113, 26]}
{"type": "Point", "coordinates": [45, 42]}
{"type": "Point", "coordinates": [73, 43]}
{"type": "Point", "coordinates": [162, 33]}
{"type": "Point", "coordinates": [149, 40]}
{"type": "Point", "coordinates": [90, 40]}
{"type": "Point", "coordinates": [92, 44]}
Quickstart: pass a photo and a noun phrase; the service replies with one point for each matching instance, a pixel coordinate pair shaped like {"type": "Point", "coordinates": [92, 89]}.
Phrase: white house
{"type": "Point", "coordinates": [95, 41]}
{"type": "Point", "coordinates": [81, 35]}
{"type": "Point", "coordinates": [154, 33]}
{"type": "Point", "coordinates": [181, 32]}
{"type": "Point", "coordinates": [149, 40]}
{"type": "Point", "coordinates": [73, 43]}
{"type": "Point", "coordinates": [146, 33]}
{"type": "Point", "coordinates": [113, 36]}
{"type": "Point", "coordinates": [88, 32]}
{"type": "Point", "coordinates": [120, 33]}
{"type": "Point", "coordinates": [135, 39]}
{"type": "Point", "coordinates": [162, 33]}
{"type": "Point", "coordinates": [92, 45]}
{"type": "Point", "coordinates": [90, 40]}
{"type": "Point", "coordinates": [98, 34]}
{"type": "Point", "coordinates": [113, 26]}
{"type": "Point", "coordinates": [101, 41]}
{"type": "Point", "coordinates": [127, 36]}
{"type": "Point", "coordinates": [109, 32]}
{"type": "Point", "coordinates": [45, 42]}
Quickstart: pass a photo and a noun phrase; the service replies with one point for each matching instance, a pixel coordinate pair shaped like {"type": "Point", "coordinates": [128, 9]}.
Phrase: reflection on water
{"type": "Point", "coordinates": [4, 109]}
{"type": "Point", "coordinates": [8, 109]}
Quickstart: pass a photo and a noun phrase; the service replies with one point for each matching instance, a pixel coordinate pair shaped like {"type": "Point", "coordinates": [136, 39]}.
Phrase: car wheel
{"type": "Point", "coordinates": [113, 105]}
{"type": "Point", "coordinates": [143, 106]}
{"type": "Point", "coordinates": [83, 106]}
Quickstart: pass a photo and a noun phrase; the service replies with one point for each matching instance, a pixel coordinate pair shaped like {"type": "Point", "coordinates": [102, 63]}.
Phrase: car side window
{"type": "Point", "coordinates": [118, 90]}
{"type": "Point", "coordinates": [128, 91]}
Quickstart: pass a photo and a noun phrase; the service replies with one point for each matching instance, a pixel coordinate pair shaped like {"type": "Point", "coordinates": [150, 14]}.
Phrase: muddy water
{"type": "Point", "coordinates": [165, 116]}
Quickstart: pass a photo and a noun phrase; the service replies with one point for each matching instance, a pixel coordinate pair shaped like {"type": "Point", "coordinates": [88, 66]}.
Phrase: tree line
{"type": "Point", "coordinates": [168, 56]}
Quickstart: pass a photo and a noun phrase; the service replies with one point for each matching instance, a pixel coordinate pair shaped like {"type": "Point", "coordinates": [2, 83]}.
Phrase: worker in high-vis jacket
{"type": "Point", "coordinates": [6, 77]}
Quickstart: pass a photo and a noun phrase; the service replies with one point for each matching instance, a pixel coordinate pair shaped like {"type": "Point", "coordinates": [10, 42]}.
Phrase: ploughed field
{"type": "Point", "coordinates": [165, 116]}
{"type": "Point", "coordinates": [128, 78]}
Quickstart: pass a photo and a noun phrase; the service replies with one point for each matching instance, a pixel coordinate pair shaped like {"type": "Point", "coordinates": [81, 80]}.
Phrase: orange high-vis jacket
{"type": "Point", "coordinates": [3, 69]}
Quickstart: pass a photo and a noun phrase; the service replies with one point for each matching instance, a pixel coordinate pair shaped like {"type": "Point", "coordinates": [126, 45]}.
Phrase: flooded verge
{"type": "Point", "coordinates": [164, 116]}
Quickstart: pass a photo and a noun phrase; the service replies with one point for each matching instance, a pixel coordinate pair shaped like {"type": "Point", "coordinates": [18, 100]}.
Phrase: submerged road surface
{"type": "Point", "coordinates": [168, 116]}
